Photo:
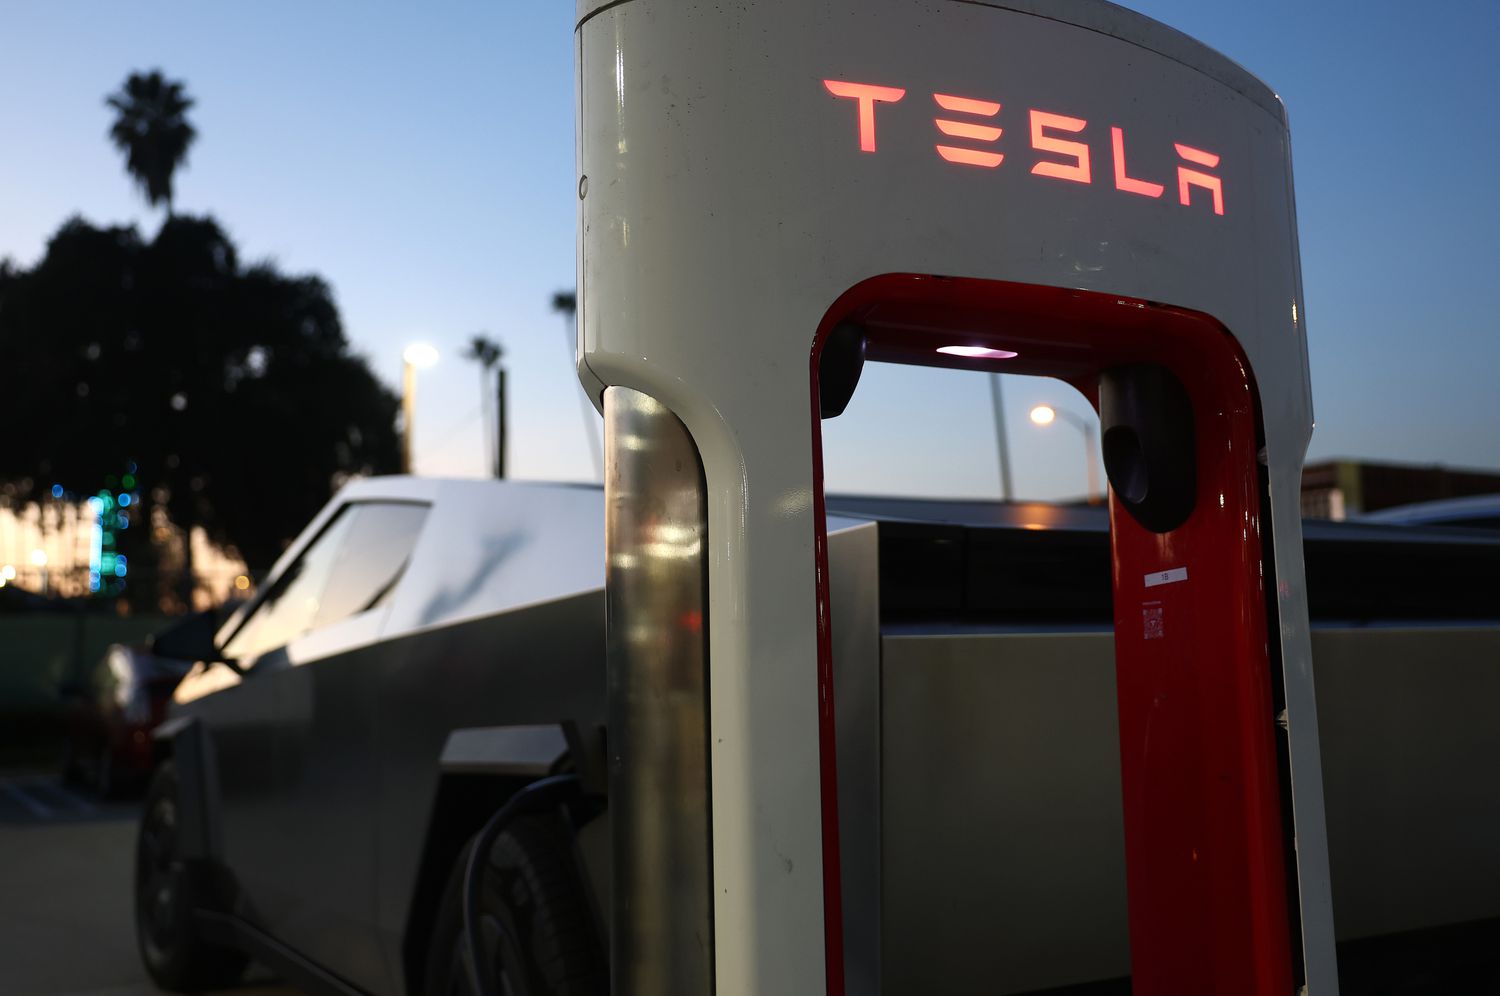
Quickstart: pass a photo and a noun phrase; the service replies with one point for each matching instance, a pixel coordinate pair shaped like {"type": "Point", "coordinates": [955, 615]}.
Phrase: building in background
{"type": "Point", "coordinates": [56, 548]}
{"type": "Point", "coordinates": [1340, 489]}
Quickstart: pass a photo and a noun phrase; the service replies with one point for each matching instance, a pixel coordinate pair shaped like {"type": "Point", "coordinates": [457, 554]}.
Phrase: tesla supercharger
{"type": "Point", "coordinates": [772, 193]}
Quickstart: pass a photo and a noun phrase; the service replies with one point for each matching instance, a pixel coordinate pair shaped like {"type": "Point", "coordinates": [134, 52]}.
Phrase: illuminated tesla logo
{"type": "Point", "coordinates": [975, 122]}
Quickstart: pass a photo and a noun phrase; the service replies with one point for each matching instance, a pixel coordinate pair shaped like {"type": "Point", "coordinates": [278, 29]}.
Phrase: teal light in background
{"type": "Point", "coordinates": [107, 568]}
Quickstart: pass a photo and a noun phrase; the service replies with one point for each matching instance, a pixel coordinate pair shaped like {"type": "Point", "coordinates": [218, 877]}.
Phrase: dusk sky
{"type": "Point", "coordinates": [420, 158]}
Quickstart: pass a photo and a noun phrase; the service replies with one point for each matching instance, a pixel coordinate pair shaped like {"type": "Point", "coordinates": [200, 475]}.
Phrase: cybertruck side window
{"type": "Point", "coordinates": [351, 567]}
{"type": "Point", "coordinates": [371, 559]}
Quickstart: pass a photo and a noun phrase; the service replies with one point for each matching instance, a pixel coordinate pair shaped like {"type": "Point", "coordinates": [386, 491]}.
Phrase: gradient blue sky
{"type": "Point", "coordinates": [420, 158]}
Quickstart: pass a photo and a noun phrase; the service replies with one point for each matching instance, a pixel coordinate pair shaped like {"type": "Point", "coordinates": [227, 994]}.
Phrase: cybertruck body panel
{"type": "Point", "coordinates": [325, 755]}
{"type": "Point", "coordinates": [984, 832]}
{"type": "Point", "coordinates": [318, 763]}
{"type": "Point", "coordinates": [976, 734]}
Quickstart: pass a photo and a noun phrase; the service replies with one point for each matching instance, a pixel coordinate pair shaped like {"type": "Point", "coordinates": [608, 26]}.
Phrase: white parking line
{"type": "Point", "coordinates": [38, 808]}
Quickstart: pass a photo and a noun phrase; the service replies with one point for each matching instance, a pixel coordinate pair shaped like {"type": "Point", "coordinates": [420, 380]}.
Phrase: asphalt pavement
{"type": "Point", "coordinates": [65, 904]}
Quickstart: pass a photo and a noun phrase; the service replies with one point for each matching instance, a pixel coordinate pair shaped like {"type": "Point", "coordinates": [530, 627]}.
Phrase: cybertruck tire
{"type": "Point", "coordinates": [540, 937]}
{"type": "Point", "coordinates": [175, 955]}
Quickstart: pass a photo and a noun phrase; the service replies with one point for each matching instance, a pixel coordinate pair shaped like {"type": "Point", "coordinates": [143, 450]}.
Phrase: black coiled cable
{"type": "Point", "coordinates": [544, 793]}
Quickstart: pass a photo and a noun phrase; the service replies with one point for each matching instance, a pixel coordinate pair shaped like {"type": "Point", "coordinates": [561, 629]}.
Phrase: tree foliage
{"type": "Point", "coordinates": [231, 388]}
{"type": "Point", "coordinates": [152, 130]}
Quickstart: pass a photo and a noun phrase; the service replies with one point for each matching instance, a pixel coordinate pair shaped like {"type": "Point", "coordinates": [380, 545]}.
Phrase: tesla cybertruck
{"type": "Point", "coordinates": [427, 648]}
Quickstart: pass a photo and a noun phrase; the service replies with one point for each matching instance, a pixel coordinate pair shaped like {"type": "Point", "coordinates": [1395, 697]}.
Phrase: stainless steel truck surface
{"type": "Point", "coordinates": [425, 648]}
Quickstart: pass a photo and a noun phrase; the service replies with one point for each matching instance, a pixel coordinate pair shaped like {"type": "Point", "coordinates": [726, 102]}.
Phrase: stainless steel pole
{"type": "Point", "coordinates": [408, 412]}
{"type": "Point", "coordinates": [499, 421]}
{"type": "Point", "coordinates": [1002, 445]}
{"type": "Point", "coordinates": [656, 664]}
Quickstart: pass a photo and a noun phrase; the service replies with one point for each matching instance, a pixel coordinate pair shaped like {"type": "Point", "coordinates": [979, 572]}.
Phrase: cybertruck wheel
{"type": "Point", "coordinates": [539, 934]}
{"type": "Point", "coordinates": [176, 958]}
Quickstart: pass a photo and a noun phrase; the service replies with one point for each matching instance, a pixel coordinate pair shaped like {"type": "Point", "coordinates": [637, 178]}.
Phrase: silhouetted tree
{"type": "Point", "coordinates": [152, 130]}
{"type": "Point", "coordinates": [232, 389]}
{"type": "Point", "coordinates": [228, 393]}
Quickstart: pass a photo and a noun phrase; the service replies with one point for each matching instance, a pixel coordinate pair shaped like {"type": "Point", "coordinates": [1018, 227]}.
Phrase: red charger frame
{"type": "Point", "coordinates": [1208, 853]}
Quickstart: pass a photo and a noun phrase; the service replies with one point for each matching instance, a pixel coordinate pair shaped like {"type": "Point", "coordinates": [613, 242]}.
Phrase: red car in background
{"type": "Point", "coordinates": [110, 718]}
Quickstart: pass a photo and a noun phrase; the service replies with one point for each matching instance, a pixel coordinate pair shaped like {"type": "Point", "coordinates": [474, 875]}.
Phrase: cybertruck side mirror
{"type": "Point", "coordinates": [1149, 444]}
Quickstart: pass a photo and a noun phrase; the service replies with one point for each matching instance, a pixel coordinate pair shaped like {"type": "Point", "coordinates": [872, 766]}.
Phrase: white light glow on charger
{"type": "Point", "coordinates": [977, 352]}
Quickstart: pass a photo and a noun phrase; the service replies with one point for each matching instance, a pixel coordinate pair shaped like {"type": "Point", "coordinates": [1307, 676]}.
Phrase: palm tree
{"type": "Point", "coordinates": [152, 130]}
{"type": "Point", "coordinates": [486, 352]}
{"type": "Point", "coordinates": [565, 303]}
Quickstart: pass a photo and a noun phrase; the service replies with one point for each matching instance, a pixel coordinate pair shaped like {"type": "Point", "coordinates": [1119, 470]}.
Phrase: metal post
{"type": "Point", "coordinates": [656, 664]}
{"type": "Point", "coordinates": [499, 421]}
{"type": "Point", "coordinates": [1085, 425]}
{"type": "Point", "coordinates": [1001, 443]}
{"type": "Point", "coordinates": [1091, 453]}
{"type": "Point", "coordinates": [408, 411]}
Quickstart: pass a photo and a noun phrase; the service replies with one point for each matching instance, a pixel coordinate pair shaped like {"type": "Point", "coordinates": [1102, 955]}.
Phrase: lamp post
{"type": "Point", "coordinates": [1045, 415]}
{"type": "Point", "coordinates": [1002, 444]}
{"type": "Point", "coordinates": [417, 356]}
{"type": "Point", "coordinates": [500, 427]}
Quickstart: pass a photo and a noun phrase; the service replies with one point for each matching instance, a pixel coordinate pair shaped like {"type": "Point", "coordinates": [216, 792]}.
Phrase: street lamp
{"type": "Point", "coordinates": [417, 356]}
{"type": "Point", "coordinates": [1045, 415]}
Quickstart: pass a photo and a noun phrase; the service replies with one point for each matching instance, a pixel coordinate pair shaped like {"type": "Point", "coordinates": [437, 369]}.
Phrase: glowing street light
{"type": "Point", "coordinates": [1045, 415]}
{"type": "Point", "coordinates": [420, 355]}
{"type": "Point", "coordinates": [417, 356]}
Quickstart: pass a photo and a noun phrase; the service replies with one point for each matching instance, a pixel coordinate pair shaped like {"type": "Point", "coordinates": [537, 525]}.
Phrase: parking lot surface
{"type": "Point", "coordinates": [65, 884]}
